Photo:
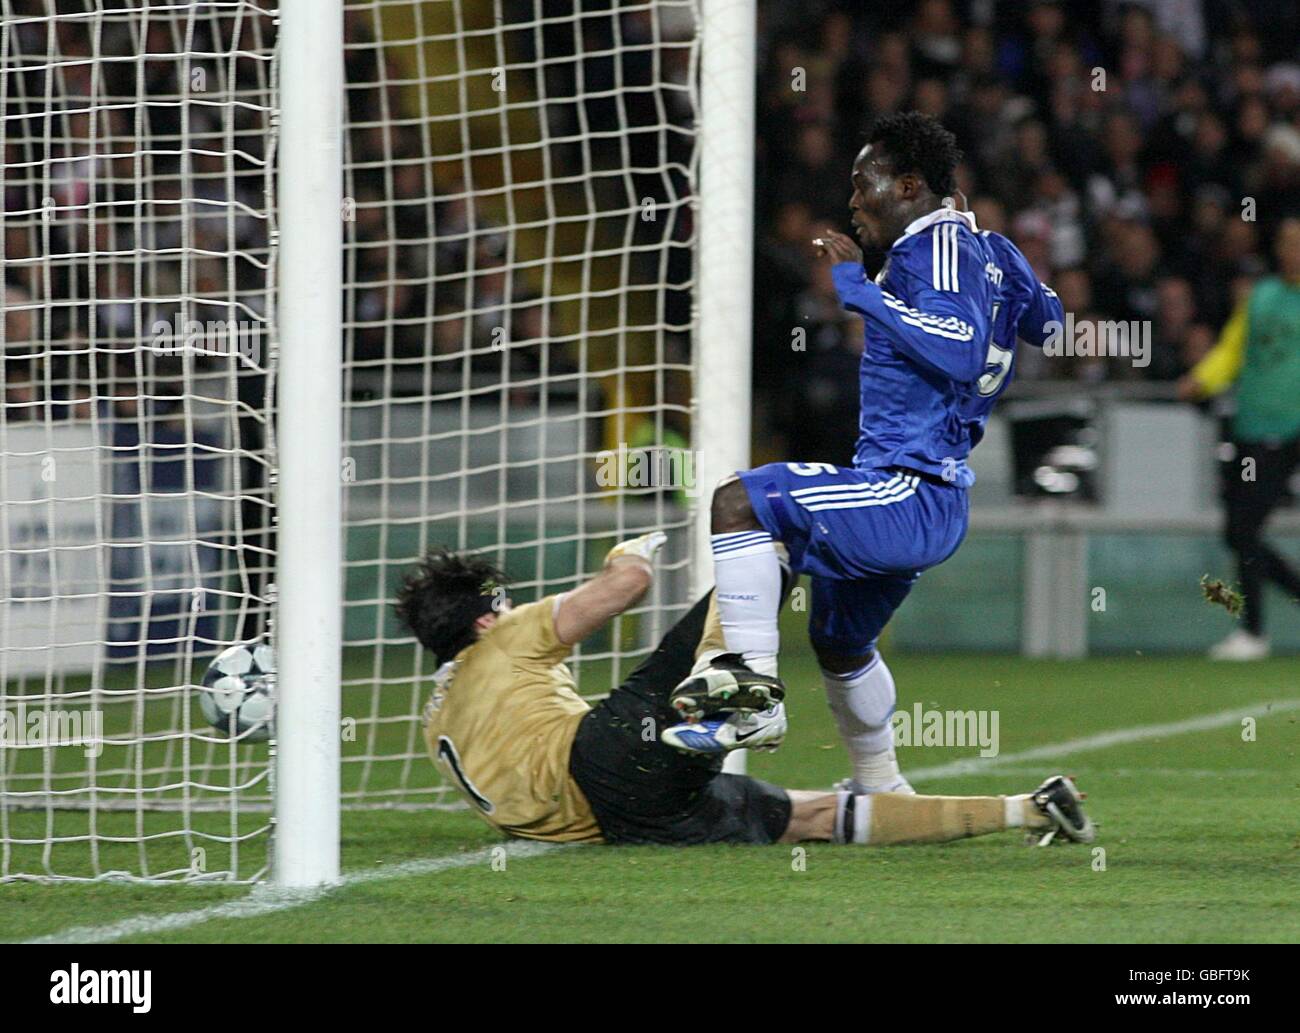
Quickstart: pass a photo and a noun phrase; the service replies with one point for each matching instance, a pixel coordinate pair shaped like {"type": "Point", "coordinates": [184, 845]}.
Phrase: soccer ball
{"type": "Point", "coordinates": [238, 692]}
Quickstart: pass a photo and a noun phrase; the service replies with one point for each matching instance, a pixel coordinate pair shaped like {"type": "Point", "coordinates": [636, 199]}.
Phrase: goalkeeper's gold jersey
{"type": "Point", "coordinates": [501, 723]}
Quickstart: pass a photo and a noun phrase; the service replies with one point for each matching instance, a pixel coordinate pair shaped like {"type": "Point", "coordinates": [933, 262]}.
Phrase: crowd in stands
{"type": "Point", "coordinates": [1140, 154]}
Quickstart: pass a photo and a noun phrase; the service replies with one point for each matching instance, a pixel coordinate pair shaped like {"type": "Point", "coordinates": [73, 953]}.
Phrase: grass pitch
{"type": "Point", "coordinates": [1199, 837]}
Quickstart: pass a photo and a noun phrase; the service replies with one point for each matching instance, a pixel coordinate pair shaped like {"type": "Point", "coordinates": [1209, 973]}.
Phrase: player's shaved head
{"type": "Point", "coordinates": [442, 599]}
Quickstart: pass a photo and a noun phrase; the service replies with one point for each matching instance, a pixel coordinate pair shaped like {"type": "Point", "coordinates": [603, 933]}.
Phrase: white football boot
{"type": "Point", "coordinates": [1241, 645]}
{"type": "Point", "coordinates": [763, 730]}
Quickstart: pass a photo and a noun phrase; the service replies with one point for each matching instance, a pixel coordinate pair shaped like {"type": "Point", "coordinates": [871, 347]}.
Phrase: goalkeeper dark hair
{"type": "Point", "coordinates": [919, 144]}
{"type": "Point", "coordinates": [440, 600]}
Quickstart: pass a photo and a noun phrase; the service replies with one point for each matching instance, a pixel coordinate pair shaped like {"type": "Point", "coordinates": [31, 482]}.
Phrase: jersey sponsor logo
{"type": "Point", "coordinates": [447, 753]}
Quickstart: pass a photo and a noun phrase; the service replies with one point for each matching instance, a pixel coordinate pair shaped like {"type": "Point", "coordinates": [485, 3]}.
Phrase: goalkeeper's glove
{"type": "Point", "coordinates": [643, 547]}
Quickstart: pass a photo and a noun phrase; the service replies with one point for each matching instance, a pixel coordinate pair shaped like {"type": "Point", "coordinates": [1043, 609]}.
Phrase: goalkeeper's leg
{"type": "Point", "coordinates": [643, 791]}
{"type": "Point", "coordinates": [887, 819]}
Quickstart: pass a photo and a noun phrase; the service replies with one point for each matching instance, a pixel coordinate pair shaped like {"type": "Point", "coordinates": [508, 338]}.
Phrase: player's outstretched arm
{"type": "Point", "coordinates": [944, 332]}
{"type": "Point", "coordinates": [946, 329]}
{"type": "Point", "coordinates": [621, 582]}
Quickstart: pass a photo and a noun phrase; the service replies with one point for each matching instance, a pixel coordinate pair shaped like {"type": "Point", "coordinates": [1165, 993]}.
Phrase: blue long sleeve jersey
{"type": "Point", "coordinates": [941, 324]}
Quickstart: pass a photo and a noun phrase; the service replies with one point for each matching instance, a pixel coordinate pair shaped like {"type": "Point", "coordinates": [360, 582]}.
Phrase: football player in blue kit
{"type": "Point", "coordinates": [941, 323]}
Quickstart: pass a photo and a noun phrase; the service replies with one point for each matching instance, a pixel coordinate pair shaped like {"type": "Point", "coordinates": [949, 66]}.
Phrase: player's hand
{"type": "Point", "coordinates": [641, 548]}
{"type": "Point", "coordinates": [838, 247]}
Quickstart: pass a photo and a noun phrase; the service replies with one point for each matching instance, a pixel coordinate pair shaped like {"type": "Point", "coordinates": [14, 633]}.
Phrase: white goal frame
{"type": "Point", "coordinates": [309, 558]}
{"type": "Point", "coordinates": [300, 104]}
{"type": "Point", "coordinates": [310, 522]}
{"type": "Point", "coordinates": [723, 340]}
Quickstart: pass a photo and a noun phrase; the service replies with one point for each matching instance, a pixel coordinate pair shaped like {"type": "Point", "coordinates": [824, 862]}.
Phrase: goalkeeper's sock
{"type": "Point", "coordinates": [884, 819]}
{"type": "Point", "coordinates": [862, 702]}
{"type": "Point", "coordinates": [748, 577]}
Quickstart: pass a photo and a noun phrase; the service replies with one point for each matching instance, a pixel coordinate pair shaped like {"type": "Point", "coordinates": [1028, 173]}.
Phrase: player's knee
{"type": "Point", "coordinates": [842, 663]}
{"type": "Point", "coordinates": [731, 510]}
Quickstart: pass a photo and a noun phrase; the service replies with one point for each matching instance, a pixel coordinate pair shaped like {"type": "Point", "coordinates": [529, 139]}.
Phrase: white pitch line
{"type": "Point", "coordinates": [268, 899]}
{"type": "Point", "coordinates": [1102, 740]}
{"type": "Point", "coordinates": [1028, 767]}
{"type": "Point", "coordinates": [264, 900]}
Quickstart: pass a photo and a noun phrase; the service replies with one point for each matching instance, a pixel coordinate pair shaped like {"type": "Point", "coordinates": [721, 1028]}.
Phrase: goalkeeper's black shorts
{"type": "Point", "coordinates": [642, 791]}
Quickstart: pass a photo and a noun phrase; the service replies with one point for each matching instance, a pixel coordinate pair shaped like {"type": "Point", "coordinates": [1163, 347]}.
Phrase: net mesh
{"type": "Point", "coordinates": [517, 371]}
{"type": "Point", "coordinates": [138, 143]}
{"type": "Point", "coordinates": [519, 224]}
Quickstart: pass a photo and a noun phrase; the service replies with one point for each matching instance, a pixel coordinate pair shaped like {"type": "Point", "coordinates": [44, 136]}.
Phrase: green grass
{"type": "Point", "coordinates": [1199, 830]}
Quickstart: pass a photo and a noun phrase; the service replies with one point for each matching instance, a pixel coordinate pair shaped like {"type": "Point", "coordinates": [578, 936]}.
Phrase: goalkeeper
{"type": "Point", "coordinates": [505, 724]}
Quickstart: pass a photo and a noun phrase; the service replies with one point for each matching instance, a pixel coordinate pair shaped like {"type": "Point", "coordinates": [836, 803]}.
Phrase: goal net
{"type": "Point", "coordinates": [519, 228]}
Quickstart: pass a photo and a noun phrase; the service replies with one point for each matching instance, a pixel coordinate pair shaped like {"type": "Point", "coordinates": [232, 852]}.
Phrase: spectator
{"type": "Point", "coordinates": [1175, 328]}
{"type": "Point", "coordinates": [1259, 352]}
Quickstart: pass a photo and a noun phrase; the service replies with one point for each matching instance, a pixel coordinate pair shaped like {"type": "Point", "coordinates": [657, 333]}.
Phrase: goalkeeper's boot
{"type": "Point", "coordinates": [722, 683]}
{"type": "Point", "coordinates": [764, 730]}
{"type": "Point", "coordinates": [1060, 800]}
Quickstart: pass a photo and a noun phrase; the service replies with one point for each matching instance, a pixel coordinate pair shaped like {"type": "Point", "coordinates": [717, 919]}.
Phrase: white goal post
{"type": "Point", "coordinates": [296, 290]}
{"type": "Point", "coordinates": [309, 612]}
{"type": "Point", "coordinates": [724, 344]}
